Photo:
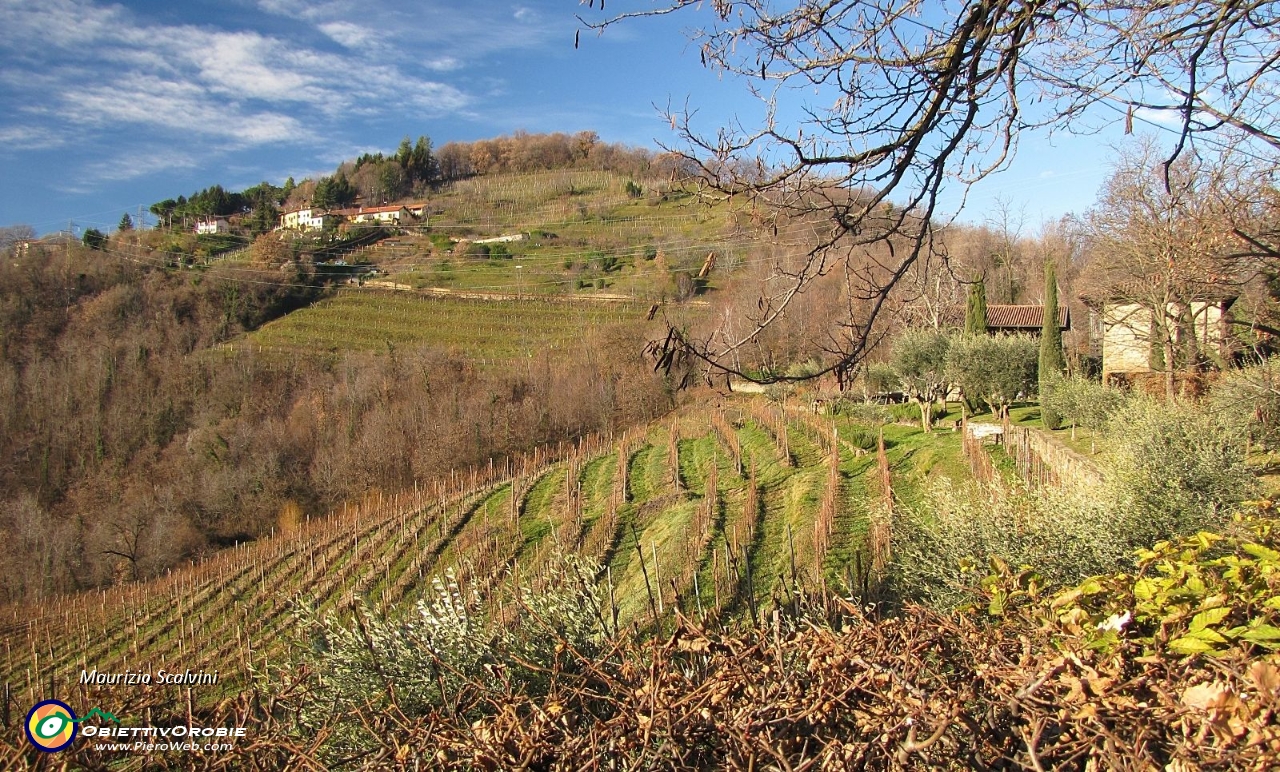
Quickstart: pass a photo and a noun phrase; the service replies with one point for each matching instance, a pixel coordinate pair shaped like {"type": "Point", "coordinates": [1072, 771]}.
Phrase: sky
{"type": "Point", "coordinates": [106, 108]}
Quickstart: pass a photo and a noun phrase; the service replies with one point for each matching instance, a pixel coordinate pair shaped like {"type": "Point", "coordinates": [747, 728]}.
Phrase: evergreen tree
{"type": "Point", "coordinates": [404, 155]}
{"type": "Point", "coordinates": [126, 223]}
{"type": "Point", "coordinates": [1051, 362]}
{"type": "Point", "coordinates": [975, 316]}
{"type": "Point", "coordinates": [94, 239]}
{"type": "Point", "coordinates": [333, 192]}
{"type": "Point", "coordinates": [264, 218]}
{"type": "Point", "coordinates": [421, 163]}
{"type": "Point", "coordinates": [322, 195]}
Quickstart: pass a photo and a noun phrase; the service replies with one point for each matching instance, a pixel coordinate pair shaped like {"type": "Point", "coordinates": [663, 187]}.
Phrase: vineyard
{"type": "Point", "coordinates": [487, 330]}
{"type": "Point", "coordinates": [724, 512]}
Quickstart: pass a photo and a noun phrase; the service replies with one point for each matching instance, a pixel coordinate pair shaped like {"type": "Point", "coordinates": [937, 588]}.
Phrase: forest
{"type": "Point", "coordinates": [132, 438]}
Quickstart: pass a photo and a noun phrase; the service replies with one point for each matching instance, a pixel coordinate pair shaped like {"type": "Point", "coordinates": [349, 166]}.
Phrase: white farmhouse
{"type": "Point", "coordinates": [1129, 341]}
{"type": "Point", "coordinates": [307, 219]}
{"type": "Point", "coordinates": [383, 215]}
{"type": "Point", "coordinates": [213, 225]}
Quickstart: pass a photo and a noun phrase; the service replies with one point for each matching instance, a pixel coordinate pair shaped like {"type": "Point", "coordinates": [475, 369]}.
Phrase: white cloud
{"type": "Point", "coordinates": [180, 106]}
{"type": "Point", "coordinates": [350, 35]}
{"type": "Point", "coordinates": [16, 139]}
{"type": "Point", "coordinates": [57, 23]}
{"type": "Point", "coordinates": [250, 65]}
{"type": "Point", "coordinates": [443, 64]}
{"type": "Point", "coordinates": [133, 164]}
{"type": "Point", "coordinates": [1160, 117]}
{"type": "Point", "coordinates": [99, 66]}
{"type": "Point", "coordinates": [102, 77]}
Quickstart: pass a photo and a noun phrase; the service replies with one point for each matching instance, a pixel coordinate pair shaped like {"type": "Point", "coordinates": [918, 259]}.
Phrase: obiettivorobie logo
{"type": "Point", "coordinates": [52, 724]}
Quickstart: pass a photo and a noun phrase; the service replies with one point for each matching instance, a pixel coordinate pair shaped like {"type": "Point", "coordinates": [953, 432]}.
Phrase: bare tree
{"type": "Point", "coordinates": [12, 235]}
{"type": "Point", "coordinates": [899, 99]}
{"type": "Point", "coordinates": [1009, 278]}
{"type": "Point", "coordinates": [1163, 245]}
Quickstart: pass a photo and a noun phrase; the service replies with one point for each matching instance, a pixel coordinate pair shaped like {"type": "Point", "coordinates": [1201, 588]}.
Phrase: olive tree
{"type": "Point", "coordinates": [993, 370]}
{"type": "Point", "coordinates": [1079, 401]}
{"type": "Point", "coordinates": [920, 362]}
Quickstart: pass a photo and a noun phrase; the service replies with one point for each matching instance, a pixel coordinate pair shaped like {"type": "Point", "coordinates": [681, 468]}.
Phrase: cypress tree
{"type": "Point", "coordinates": [1051, 362]}
{"type": "Point", "coordinates": [975, 314]}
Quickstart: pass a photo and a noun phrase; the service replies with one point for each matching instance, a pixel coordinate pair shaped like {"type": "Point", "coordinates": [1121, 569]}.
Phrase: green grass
{"type": "Point", "coordinates": [581, 231]}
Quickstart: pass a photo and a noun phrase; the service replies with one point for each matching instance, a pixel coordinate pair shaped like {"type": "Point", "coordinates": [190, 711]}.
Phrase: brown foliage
{"type": "Point", "coordinates": [925, 691]}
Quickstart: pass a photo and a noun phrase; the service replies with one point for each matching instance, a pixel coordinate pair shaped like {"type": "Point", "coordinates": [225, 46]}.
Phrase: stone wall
{"type": "Point", "coordinates": [1042, 460]}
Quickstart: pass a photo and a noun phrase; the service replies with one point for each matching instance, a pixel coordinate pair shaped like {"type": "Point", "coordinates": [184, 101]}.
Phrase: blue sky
{"type": "Point", "coordinates": [108, 106]}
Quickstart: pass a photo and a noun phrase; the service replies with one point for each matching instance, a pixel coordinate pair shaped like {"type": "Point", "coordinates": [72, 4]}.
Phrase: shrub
{"type": "Point", "coordinates": [944, 546]}
{"type": "Point", "coordinates": [905, 413]}
{"type": "Point", "coordinates": [1169, 471]}
{"type": "Point", "coordinates": [859, 437]}
{"type": "Point", "coordinates": [1174, 468]}
{"type": "Point", "coordinates": [449, 646]}
{"type": "Point", "coordinates": [477, 250]}
{"type": "Point", "coordinates": [1248, 400]}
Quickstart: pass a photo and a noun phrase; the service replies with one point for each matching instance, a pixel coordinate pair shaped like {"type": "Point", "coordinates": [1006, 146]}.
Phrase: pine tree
{"type": "Point", "coordinates": [421, 162]}
{"type": "Point", "coordinates": [126, 223]}
{"type": "Point", "coordinates": [1051, 363]}
{"type": "Point", "coordinates": [975, 316]}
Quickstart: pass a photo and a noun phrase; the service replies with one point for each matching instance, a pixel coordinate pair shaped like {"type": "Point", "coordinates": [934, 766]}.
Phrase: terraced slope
{"type": "Point", "coordinates": [488, 330]}
{"type": "Point", "coordinates": [722, 512]}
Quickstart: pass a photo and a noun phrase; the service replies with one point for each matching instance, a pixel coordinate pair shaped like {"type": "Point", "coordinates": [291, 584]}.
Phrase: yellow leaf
{"type": "Point", "coordinates": [1211, 617]}
{"type": "Point", "coordinates": [1187, 645]}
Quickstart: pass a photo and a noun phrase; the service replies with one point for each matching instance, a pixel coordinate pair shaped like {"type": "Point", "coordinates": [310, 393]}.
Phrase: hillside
{"type": "Point", "coordinates": [729, 542]}
{"type": "Point", "coordinates": [744, 502]}
{"type": "Point", "coordinates": [483, 331]}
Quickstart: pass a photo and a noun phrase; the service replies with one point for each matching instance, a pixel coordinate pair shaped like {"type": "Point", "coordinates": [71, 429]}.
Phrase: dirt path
{"type": "Point", "coordinates": [599, 297]}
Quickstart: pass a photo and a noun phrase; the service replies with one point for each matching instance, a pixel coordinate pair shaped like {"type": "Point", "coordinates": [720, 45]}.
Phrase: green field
{"type": "Point", "coordinates": [483, 330]}
{"type": "Point", "coordinates": [580, 233]}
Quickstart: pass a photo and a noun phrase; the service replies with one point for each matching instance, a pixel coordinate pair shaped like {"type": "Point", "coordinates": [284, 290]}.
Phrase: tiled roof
{"type": "Point", "coordinates": [1000, 317]}
{"type": "Point", "coordinates": [377, 209]}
